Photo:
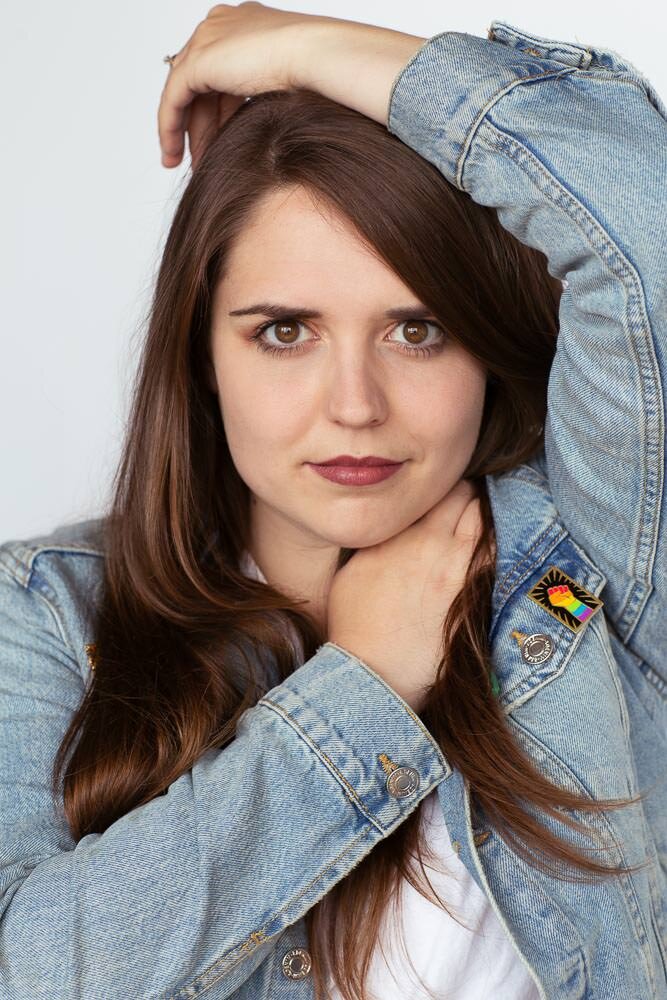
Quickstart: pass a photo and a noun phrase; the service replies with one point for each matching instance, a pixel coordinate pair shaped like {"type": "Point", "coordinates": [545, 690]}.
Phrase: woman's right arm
{"type": "Point", "coordinates": [194, 886]}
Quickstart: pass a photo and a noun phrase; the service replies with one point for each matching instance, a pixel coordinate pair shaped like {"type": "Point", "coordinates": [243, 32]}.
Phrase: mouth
{"type": "Point", "coordinates": [349, 461]}
{"type": "Point", "coordinates": [356, 475]}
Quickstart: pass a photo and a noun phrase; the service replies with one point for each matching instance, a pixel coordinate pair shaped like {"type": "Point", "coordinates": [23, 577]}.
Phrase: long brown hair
{"type": "Point", "coordinates": [174, 604]}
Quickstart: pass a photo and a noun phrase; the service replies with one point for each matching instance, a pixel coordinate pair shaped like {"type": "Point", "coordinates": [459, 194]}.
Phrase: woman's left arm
{"type": "Point", "coordinates": [569, 144]}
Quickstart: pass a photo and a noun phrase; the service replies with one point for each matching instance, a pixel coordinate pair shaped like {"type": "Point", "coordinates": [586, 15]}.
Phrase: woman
{"type": "Point", "coordinates": [252, 672]}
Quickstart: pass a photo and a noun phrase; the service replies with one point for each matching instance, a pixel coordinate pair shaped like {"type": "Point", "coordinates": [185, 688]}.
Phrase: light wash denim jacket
{"type": "Point", "coordinates": [203, 891]}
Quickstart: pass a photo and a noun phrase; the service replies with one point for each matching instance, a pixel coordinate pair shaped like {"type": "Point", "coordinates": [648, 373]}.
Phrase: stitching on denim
{"type": "Point", "coordinates": [362, 835]}
{"type": "Point", "coordinates": [603, 640]}
{"type": "Point", "coordinates": [483, 112]}
{"type": "Point", "coordinates": [626, 879]}
{"type": "Point", "coordinates": [288, 718]}
{"type": "Point", "coordinates": [407, 66]}
{"type": "Point", "coordinates": [499, 141]}
{"type": "Point", "coordinates": [553, 44]}
{"type": "Point", "coordinates": [527, 877]}
{"type": "Point", "coordinates": [604, 76]}
{"type": "Point", "coordinates": [505, 583]}
{"type": "Point", "coordinates": [655, 679]}
{"type": "Point", "coordinates": [520, 154]}
{"type": "Point", "coordinates": [614, 672]}
{"type": "Point", "coordinates": [53, 613]}
{"type": "Point", "coordinates": [397, 696]}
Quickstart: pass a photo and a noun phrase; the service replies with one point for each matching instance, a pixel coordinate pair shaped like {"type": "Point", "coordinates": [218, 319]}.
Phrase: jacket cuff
{"type": "Point", "coordinates": [362, 731]}
{"type": "Point", "coordinates": [444, 91]}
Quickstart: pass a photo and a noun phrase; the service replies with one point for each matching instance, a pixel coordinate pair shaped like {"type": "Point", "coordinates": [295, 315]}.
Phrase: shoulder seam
{"type": "Point", "coordinates": [49, 607]}
{"type": "Point", "coordinates": [19, 559]}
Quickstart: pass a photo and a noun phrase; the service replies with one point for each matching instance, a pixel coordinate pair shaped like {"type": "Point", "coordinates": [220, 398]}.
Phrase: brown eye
{"type": "Point", "coordinates": [415, 333]}
{"type": "Point", "coordinates": [415, 330]}
{"type": "Point", "coordinates": [287, 330]}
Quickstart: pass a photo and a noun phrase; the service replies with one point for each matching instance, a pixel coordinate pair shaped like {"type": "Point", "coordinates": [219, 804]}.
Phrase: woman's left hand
{"type": "Point", "coordinates": [239, 51]}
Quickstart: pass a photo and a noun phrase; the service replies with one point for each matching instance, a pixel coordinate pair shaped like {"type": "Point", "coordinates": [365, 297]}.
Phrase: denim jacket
{"type": "Point", "coordinates": [203, 891]}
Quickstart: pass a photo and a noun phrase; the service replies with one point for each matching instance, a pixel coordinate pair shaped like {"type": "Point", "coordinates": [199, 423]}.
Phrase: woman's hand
{"type": "Point", "coordinates": [387, 604]}
{"type": "Point", "coordinates": [239, 51]}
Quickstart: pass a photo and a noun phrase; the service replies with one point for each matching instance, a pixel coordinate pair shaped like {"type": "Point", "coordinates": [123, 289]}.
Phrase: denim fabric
{"type": "Point", "coordinates": [203, 891]}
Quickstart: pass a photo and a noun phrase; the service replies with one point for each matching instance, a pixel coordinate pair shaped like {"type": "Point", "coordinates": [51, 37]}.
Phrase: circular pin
{"type": "Point", "coordinates": [537, 648]}
{"type": "Point", "coordinates": [403, 781]}
{"type": "Point", "coordinates": [296, 963]}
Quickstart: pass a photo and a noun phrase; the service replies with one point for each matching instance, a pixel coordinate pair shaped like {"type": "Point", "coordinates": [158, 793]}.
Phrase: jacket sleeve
{"type": "Point", "coordinates": [192, 888]}
{"type": "Point", "coordinates": [569, 144]}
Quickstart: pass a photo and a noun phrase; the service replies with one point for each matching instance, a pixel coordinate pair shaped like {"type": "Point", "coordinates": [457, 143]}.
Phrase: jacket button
{"type": "Point", "coordinates": [296, 963]}
{"type": "Point", "coordinates": [537, 648]}
{"type": "Point", "coordinates": [403, 781]}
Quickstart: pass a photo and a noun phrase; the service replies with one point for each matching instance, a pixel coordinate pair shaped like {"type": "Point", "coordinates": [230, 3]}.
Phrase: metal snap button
{"type": "Point", "coordinates": [403, 781]}
{"type": "Point", "coordinates": [537, 648]}
{"type": "Point", "coordinates": [296, 963]}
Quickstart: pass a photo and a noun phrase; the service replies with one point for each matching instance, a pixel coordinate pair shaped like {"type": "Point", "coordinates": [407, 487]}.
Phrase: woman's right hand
{"type": "Point", "coordinates": [387, 605]}
{"type": "Point", "coordinates": [241, 50]}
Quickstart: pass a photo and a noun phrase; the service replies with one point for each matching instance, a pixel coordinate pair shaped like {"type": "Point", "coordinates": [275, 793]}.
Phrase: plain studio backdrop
{"type": "Point", "coordinates": [86, 205]}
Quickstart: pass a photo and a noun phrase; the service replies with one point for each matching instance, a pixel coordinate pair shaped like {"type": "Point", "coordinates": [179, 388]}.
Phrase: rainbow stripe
{"type": "Point", "coordinates": [574, 606]}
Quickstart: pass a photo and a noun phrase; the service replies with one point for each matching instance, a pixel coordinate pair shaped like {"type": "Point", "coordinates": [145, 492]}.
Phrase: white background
{"type": "Point", "coordinates": [86, 204]}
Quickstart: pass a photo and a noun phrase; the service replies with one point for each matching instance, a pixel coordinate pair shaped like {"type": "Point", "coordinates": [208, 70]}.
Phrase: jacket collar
{"type": "Point", "coordinates": [530, 539]}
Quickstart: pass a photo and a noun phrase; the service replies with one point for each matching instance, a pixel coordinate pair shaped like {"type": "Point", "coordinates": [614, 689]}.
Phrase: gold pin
{"type": "Point", "coordinates": [91, 653]}
{"type": "Point", "coordinates": [387, 765]}
{"type": "Point", "coordinates": [565, 599]}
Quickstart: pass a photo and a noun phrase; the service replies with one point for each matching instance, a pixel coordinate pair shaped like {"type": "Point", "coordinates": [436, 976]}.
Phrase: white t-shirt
{"type": "Point", "coordinates": [475, 961]}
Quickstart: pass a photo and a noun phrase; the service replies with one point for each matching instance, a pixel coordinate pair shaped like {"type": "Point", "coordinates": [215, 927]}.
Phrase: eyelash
{"type": "Point", "coordinates": [423, 352]}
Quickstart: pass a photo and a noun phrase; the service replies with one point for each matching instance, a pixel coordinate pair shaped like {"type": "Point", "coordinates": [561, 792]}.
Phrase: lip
{"type": "Point", "coordinates": [356, 475]}
{"type": "Point", "coordinates": [349, 460]}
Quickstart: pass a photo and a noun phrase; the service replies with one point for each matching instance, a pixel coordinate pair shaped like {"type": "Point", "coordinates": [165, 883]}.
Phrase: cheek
{"type": "Point", "coordinates": [454, 408]}
{"type": "Point", "coordinates": [260, 427]}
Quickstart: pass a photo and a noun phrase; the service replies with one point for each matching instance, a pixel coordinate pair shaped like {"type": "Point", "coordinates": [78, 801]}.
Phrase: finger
{"type": "Point", "coordinates": [227, 105]}
{"type": "Point", "coordinates": [179, 91]}
{"type": "Point", "coordinates": [202, 124]}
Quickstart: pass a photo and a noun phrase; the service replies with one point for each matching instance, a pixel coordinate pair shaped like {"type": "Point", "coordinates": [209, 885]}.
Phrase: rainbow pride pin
{"type": "Point", "coordinates": [565, 599]}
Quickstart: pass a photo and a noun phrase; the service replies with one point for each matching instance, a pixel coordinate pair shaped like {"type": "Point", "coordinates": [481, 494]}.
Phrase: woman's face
{"type": "Point", "coordinates": [347, 385]}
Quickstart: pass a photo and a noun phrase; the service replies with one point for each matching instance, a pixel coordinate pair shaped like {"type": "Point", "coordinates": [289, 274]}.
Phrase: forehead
{"type": "Point", "coordinates": [292, 239]}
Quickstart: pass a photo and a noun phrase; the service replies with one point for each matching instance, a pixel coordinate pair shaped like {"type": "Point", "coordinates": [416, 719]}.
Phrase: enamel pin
{"type": "Point", "coordinates": [565, 599]}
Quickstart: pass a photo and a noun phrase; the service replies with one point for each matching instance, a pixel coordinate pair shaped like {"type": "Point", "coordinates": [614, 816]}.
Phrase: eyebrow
{"type": "Point", "coordinates": [275, 309]}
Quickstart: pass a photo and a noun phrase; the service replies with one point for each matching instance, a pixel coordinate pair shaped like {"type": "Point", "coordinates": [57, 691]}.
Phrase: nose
{"type": "Point", "coordinates": [355, 393]}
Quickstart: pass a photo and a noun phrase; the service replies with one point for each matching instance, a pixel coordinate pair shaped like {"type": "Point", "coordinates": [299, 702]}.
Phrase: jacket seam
{"type": "Point", "coordinates": [552, 44]}
{"type": "Point", "coordinates": [596, 628]}
{"type": "Point", "coordinates": [493, 100]}
{"type": "Point", "coordinates": [625, 882]}
{"type": "Point", "coordinates": [21, 569]}
{"type": "Point", "coordinates": [505, 586]}
{"type": "Point", "coordinates": [621, 76]}
{"type": "Point", "coordinates": [175, 996]}
{"type": "Point", "coordinates": [502, 142]}
{"type": "Point", "coordinates": [500, 914]}
{"type": "Point", "coordinates": [404, 705]}
{"type": "Point", "coordinates": [347, 787]}
{"type": "Point", "coordinates": [54, 614]}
